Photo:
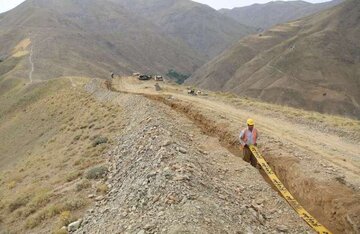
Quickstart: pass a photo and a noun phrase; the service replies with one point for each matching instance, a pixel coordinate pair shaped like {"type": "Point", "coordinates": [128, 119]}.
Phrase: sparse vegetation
{"type": "Point", "coordinates": [177, 76]}
{"type": "Point", "coordinates": [40, 179]}
{"type": "Point", "coordinates": [76, 138]}
{"type": "Point", "coordinates": [60, 231]}
{"type": "Point", "coordinates": [98, 140]}
{"type": "Point", "coordinates": [102, 188]}
{"type": "Point", "coordinates": [41, 199]}
{"type": "Point", "coordinates": [73, 176]}
{"type": "Point", "coordinates": [308, 117]}
{"type": "Point", "coordinates": [19, 202]}
{"type": "Point", "coordinates": [96, 172]}
{"type": "Point", "coordinates": [65, 218]}
{"type": "Point", "coordinates": [84, 184]}
{"type": "Point", "coordinates": [73, 204]}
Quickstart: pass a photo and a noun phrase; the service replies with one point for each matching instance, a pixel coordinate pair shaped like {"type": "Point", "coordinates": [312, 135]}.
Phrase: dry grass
{"type": "Point", "coordinates": [102, 188]}
{"type": "Point", "coordinates": [46, 167]}
{"type": "Point", "coordinates": [299, 115]}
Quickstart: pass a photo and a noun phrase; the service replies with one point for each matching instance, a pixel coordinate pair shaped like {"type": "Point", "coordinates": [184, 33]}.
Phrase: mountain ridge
{"type": "Point", "coordinates": [264, 16]}
{"type": "Point", "coordinates": [310, 63]}
{"type": "Point", "coordinates": [71, 38]}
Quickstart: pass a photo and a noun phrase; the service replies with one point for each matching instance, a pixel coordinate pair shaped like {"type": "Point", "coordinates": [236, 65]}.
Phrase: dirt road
{"type": "Point", "coordinates": [320, 168]}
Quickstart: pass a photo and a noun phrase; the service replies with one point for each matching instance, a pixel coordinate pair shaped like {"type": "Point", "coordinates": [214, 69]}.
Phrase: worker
{"type": "Point", "coordinates": [248, 137]}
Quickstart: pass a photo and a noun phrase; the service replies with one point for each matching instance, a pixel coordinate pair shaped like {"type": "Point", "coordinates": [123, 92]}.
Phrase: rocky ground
{"type": "Point", "coordinates": [166, 176]}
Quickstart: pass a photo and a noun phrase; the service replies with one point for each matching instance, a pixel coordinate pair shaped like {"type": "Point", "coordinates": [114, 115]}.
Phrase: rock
{"type": "Point", "coordinates": [260, 201]}
{"type": "Point", "coordinates": [74, 226]}
{"type": "Point", "coordinates": [149, 226]}
{"type": "Point", "coordinates": [182, 150]}
{"type": "Point", "coordinates": [91, 196]}
{"type": "Point", "coordinates": [167, 143]}
{"type": "Point", "coordinates": [182, 178]}
{"type": "Point", "coordinates": [141, 232]}
{"type": "Point", "coordinates": [261, 218]}
{"type": "Point", "coordinates": [152, 174]}
{"type": "Point", "coordinates": [282, 228]}
{"type": "Point", "coordinates": [99, 198]}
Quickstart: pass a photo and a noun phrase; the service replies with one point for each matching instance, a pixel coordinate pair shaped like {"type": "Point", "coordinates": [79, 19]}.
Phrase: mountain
{"type": "Point", "coordinates": [202, 28]}
{"type": "Point", "coordinates": [312, 63]}
{"type": "Point", "coordinates": [88, 38]}
{"type": "Point", "coordinates": [264, 16]}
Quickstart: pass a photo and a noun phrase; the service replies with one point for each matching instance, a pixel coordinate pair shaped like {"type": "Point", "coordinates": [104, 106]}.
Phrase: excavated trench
{"type": "Point", "coordinates": [333, 204]}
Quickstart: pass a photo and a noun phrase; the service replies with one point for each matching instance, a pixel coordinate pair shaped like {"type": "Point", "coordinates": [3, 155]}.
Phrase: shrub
{"type": "Point", "coordinates": [32, 222]}
{"type": "Point", "coordinates": [65, 218]}
{"type": "Point", "coordinates": [73, 176]}
{"type": "Point", "coordinates": [41, 199]}
{"type": "Point", "coordinates": [177, 76]}
{"type": "Point", "coordinates": [53, 210]}
{"type": "Point", "coordinates": [74, 204]}
{"type": "Point", "coordinates": [60, 231]}
{"type": "Point", "coordinates": [84, 184]}
{"type": "Point", "coordinates": [77, 137]}
{"type": "Point", "coordinates": [36, 219]}
{"type": "Point", "coordinates": [102, 188]}
{"type": "Point", "coordinates": [11, 185]}
{"type": "Point", "coordinates": [99, 140]}
{"type": "Point", "coordinates": [18, 202]}
{"type": "Point", "coordinates": [96, 172]}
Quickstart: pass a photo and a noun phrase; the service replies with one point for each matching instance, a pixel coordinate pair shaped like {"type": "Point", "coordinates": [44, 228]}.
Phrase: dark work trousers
{"type": "Point", "coordinates": [249, 157]}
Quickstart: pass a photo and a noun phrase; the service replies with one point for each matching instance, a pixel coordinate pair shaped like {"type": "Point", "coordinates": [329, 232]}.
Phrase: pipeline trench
{"type": "Point", "coordinates": [333, 204]}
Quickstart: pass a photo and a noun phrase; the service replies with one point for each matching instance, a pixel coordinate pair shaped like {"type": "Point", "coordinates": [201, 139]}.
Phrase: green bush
{"type": "Point", "coordinates": [96, 172]}
{"type": "Point", "coordinates": [177, 76]}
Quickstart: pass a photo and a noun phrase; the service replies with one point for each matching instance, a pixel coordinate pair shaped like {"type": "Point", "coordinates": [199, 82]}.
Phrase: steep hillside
{"type": "Point", "coordinates": [75, 38]}
{"type": "Point", "coordinates": [202, 28]}
{"type": "Point", "coordinates": [49, 153]}
{"type": "Point", "coordinates": [311, 63]}
{"type": "Point", "coordinates": [264, 16]}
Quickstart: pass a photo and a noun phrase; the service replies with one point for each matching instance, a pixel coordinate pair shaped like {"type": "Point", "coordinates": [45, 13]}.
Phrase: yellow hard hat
{"type": "Point", "coordinates": [250, 122]}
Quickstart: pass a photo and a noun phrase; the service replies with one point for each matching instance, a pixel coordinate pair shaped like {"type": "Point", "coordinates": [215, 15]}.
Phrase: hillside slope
{"type": "Point", "coordinates": [311, 63]}
{"type": "Point", "coordinates": [202, 28]}
{"type": "Point", "coordinates": [264, 16]}
{"type": "Point", "coordinates": [93, 38]}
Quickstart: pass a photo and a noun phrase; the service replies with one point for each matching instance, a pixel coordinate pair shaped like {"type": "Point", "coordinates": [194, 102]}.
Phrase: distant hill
{"type": "Point", "coordinates": [312, 63]}
{"type": "Point", "coordinates": [264, 16]}
{"type": "Point", "coordinates": [92, 38]}
{"type": "Point", "coordinates": [202, 28]}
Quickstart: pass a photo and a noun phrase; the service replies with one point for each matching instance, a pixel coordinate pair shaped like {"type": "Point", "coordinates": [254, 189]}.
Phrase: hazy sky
{"type": "Point", "coordinates": [6, 5]}
{"type": "Point", "coordinates": [217, 4]}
